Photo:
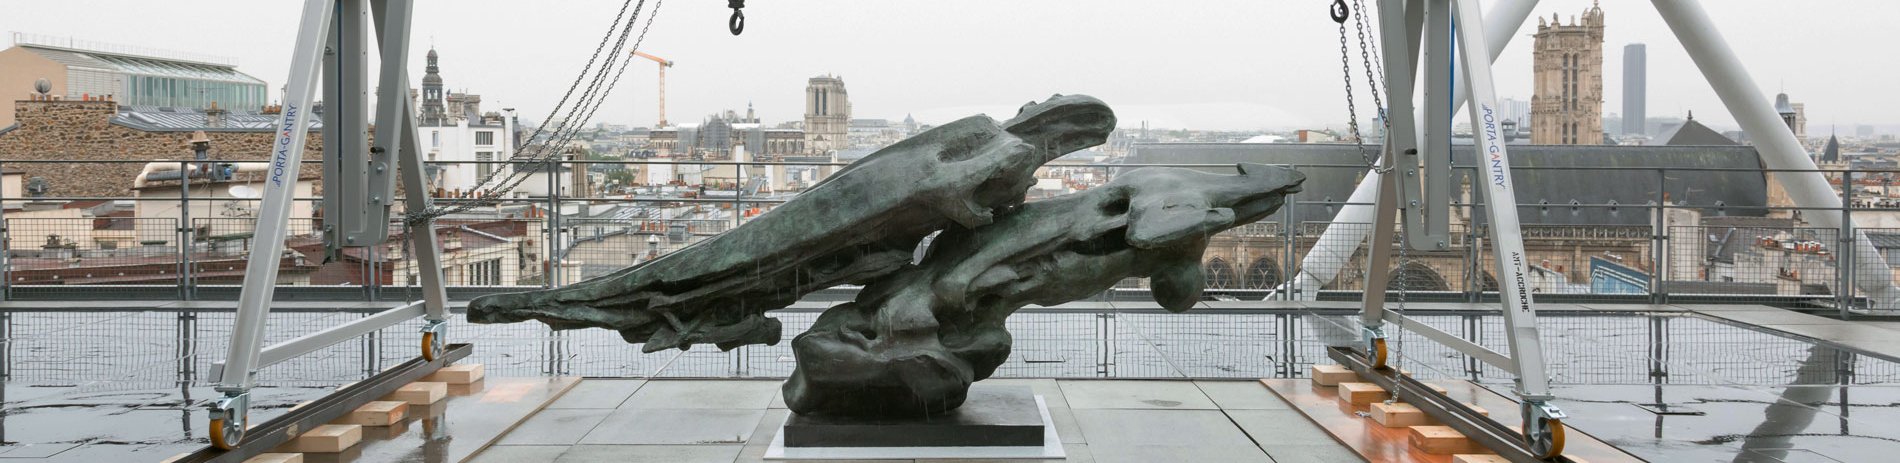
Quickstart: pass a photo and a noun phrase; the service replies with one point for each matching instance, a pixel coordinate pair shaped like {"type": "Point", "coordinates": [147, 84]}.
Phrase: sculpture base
{"type": "Point", "coordinates": [994, 423]}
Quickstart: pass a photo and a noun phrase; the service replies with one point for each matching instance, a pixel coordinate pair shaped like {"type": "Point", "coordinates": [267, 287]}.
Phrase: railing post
{"type": "Point", "coordinates": [1289, 249]}
{"type": "Point", "coordinates": [372, 269]}
{"type": "Point", "coordinates": [1659, 243]}
{"type": "Point", "coordinates": [6, 277]}
{"type": "Point", "coordinates": [6, 348]}
{"type": "Point", "coordinates": [1844, 246]}
{"type": "Point", "coordinates": [182, 231]}
{"type": "Point", "coordinates": [738, 189]}
{"type": "Point", "coordinates": [187, 347]}
{"type": "Point", "coordinates": [554, 222]}
{"type": "Point", "coordinates": [1474, 251]}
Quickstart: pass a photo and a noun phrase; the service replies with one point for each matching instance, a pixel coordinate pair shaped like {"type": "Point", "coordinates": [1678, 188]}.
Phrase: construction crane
{"type": "Point", "coordinates": [664, 63]}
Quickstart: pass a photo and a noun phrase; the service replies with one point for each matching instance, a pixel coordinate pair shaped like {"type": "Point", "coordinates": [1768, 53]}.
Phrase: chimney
{"type": "Point", "coordinates": [200, 145]}
{"type": "Point", "coordinates": [214, 117]}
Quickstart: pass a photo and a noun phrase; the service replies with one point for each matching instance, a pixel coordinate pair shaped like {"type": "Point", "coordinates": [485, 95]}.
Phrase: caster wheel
{"type": "Point", "coordinates": [226, 434]}
{"type": "Point", "coordinates": [431, 346]}
{"type": "Point", "coordinates": [1547, 440]}
{"type": "Point", "coordinates": [1377, 352]}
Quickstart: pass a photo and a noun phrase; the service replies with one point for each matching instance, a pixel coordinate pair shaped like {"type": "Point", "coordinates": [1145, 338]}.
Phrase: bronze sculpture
{"type": "Point", "coordinates": [919, 334]}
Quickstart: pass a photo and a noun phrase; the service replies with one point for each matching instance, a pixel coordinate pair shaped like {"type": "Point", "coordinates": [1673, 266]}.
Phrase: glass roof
{"type": "Point", "coordinates": [132, 65]}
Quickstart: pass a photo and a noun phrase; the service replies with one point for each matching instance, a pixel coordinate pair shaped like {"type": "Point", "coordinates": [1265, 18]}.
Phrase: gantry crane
{"type": "Point", "coordinates": [664, 63]}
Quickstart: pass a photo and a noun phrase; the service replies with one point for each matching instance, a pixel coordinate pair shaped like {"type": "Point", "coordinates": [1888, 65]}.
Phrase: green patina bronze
{"type": "Point", "coordinates": [920, 333]}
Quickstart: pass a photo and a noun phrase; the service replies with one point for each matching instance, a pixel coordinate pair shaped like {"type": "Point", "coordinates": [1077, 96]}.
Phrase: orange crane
{"type": "Point", "coordinates": [664, 63]}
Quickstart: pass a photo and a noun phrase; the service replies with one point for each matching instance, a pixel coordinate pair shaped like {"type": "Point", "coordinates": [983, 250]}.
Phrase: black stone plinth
{"type": "Point", "coordinates": [992, 416]}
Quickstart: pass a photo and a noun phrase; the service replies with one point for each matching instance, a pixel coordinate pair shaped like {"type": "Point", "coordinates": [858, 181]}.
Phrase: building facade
{"type": "Point", "coordinates": [1567, 107]}
{"type": "Point", "coordinates": [453, 130]}
{"type": "Point", "coordinates": [717, 137]}
{"type": "Point", "coordinates": [80, 131]}
{"type": "Point", "coordinates": [77, 70]}
{"type": "Point", "coordinates": [827, 115]}
{"type": "Point", "coordinates": [1635, 90]}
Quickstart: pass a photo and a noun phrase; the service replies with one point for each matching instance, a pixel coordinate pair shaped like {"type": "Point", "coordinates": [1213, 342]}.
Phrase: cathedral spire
{"type": "Point", "coordinates": [432, 112]}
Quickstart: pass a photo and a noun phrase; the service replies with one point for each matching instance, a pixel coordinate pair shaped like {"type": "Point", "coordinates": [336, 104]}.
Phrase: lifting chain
{"type": "Point", "coordinates": [1340, 12]}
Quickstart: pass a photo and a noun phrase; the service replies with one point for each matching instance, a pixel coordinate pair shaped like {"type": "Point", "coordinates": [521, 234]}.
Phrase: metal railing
{"type": "Point", "coordinates": [118, 350]}
{"type": "Point", "coordinates": [161, 244]}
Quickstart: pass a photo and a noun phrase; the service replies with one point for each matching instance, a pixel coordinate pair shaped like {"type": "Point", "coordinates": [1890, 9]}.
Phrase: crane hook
{"type": "Point", "coordinates": [737, 23]}
{"type": "Point", "coordinates": [1339, 10]}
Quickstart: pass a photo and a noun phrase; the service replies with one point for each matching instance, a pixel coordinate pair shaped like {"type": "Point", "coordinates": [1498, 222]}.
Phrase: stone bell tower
{"type": "Point", "coordinates": [1567, 104]}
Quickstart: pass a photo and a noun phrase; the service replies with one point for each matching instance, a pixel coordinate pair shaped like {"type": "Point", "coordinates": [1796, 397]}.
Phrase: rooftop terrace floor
{"type": "Point", "coordinates": [1663, 382]}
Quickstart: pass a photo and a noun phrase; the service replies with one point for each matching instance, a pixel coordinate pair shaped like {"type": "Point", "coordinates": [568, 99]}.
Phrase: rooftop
{"type": "Point", "coordinates": [142, 65]}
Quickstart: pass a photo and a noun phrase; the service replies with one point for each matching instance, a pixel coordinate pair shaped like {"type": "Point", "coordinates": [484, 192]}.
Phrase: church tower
{"type": "Point", "coordinates": [827, 115]}
{"type": "Point", "coordinates": [433, 113]}
{"type": "Point", "coordinates": [1567, 104]}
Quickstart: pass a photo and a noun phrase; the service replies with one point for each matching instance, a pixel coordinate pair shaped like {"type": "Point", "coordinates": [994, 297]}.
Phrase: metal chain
{"type": "Point", "coordinates": [409, 236]}
{"type": "Point", "coordinates": [1339, 14]}
{"type": "Point", "coordinates": [1365, 57]}
{"type": "Point", "coordinates": [1378, 61]}
{"type": "Point", "coordinates": [1405, 287]}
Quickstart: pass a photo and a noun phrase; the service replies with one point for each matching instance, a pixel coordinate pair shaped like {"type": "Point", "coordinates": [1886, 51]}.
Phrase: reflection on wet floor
{"type": "Point", "coordinates": [1669, 387]}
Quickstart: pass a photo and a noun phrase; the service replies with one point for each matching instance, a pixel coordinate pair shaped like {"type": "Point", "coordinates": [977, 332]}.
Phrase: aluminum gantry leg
{"type": "Point", "coordinates": [393, 104]}
{"type": "Point", "coordinates": [338, 27]}
{"type": "Point", "coordinates": [1400, 193]}
{"type": "Point", "coordinates": [230, 414]}
{"type": "Point", "coordinates": [1543, 426]}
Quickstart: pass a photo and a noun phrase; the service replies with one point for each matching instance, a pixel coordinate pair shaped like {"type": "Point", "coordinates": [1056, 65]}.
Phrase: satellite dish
{"type": "Point", "coordinates": [244, 191]}
{"type": "Point", "coordinates": [43, 86]}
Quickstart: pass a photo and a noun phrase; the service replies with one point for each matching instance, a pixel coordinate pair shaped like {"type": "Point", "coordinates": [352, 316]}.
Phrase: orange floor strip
{"type": "Point", "coordinates": [1381, 444]}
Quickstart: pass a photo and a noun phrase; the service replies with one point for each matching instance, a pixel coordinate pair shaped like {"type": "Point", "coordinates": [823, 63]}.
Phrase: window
{"type": "Point", "coordinates": [483, 169]}
{"type": "Point", "coordinates": [484, 273]}
{"type": "Point", "coordinates": [435, 139]}
{"type": "Point", "coordinates": [484, 138]}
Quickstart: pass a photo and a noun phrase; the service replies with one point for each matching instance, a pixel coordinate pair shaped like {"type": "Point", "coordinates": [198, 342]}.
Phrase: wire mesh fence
{"type": "Point", "coordinates": [97, 252]}
{"type": "Point", "coordinates": [130, 350]}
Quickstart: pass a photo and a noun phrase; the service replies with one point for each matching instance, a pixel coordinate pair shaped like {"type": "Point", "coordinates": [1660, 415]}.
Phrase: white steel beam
{"type": "Point", "coordinates": [1773, 139]}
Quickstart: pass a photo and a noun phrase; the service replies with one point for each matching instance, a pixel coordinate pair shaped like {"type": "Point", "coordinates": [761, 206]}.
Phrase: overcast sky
{"type": "Point", "coordinates": [1179, 63]}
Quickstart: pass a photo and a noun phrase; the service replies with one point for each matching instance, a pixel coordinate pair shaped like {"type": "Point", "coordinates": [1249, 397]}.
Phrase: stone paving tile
{"type": "Point", "coordinates": [762, 435]}
{"type": "Point", "coordinates": [1165, 435]}
{"type": "Point", "coordinates": [1047, 388]}
{"type": "Point", "coordinates": [1313, 454]}
{"type": "Point", "coordinates": [555, 427]}
{"type": "Point", "coordinates": [663, 426]}
{"type": "Point", "coordinates": [1076, 453]}
{"type": "Point", "coordinates": [1241, 395]}
{"type": "Point", "coordinates": [1278, 428]}
{"type": "Point", "coordinates": [1177, 395]}
{"type": "Point", "coordinates": [1066, 429]}
{"type": "Point", "coordinates": [703, 394]}
{"type": "Point", "coordinates": [519, 453]}
{"type": "Point", "coordinates": [598, 393]}
{"type": "Point", "coordinates": [649, 453]}
{"type": "Point", "coordinates": [1785, 317]}
{"type": "Point", "coordinates": [1841, 332]}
